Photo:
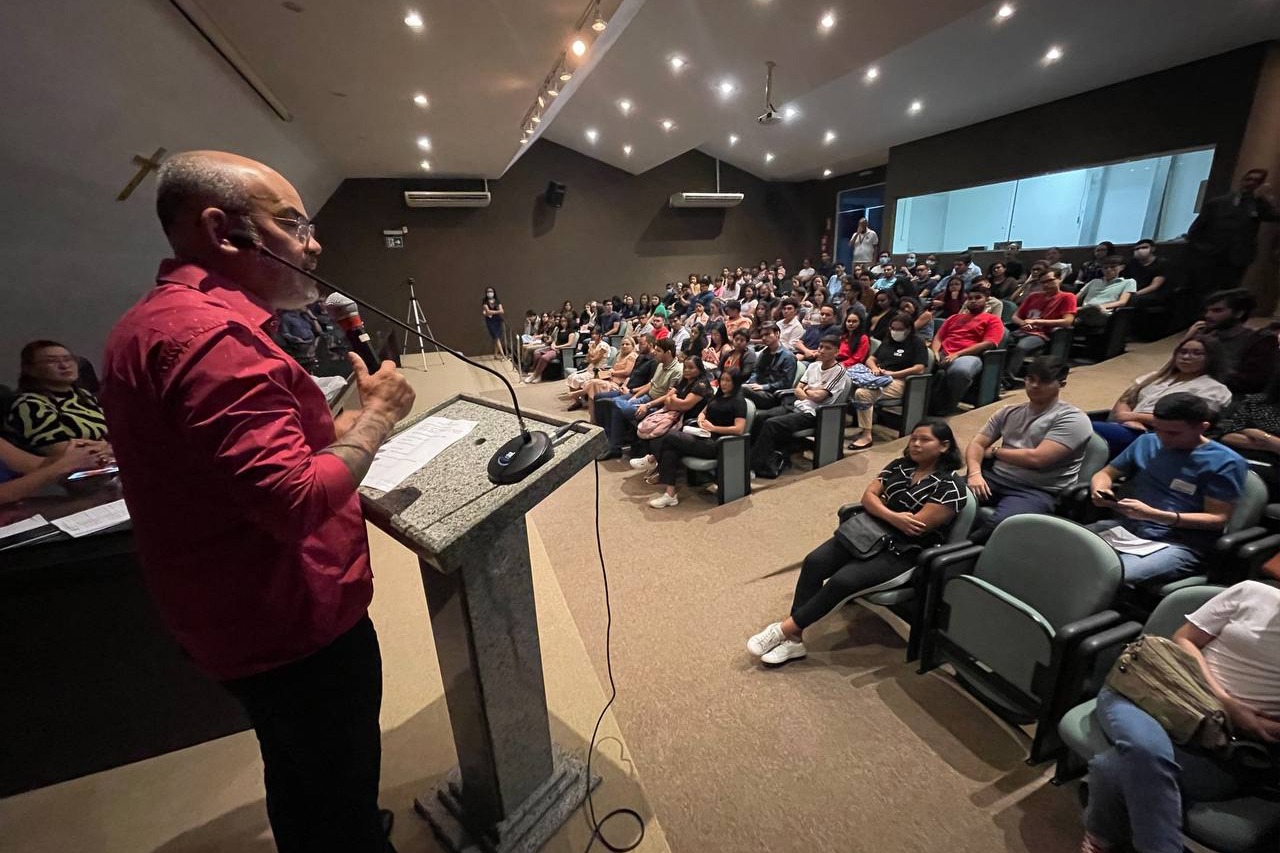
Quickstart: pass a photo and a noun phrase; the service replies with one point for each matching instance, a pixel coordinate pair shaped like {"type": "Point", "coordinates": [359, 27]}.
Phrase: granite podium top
{"type": "Point", "coordinates": [447, 511]}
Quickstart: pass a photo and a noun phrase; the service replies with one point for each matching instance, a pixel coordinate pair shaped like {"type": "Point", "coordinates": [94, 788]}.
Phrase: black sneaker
{"type": "Point", "coordinates": [611, 453]}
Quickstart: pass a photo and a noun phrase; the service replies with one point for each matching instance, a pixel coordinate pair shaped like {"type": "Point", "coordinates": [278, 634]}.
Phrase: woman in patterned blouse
{"type": "Point", "coordinates": [915, 499]}
{"type": "Point", "coordinates": [1255, 423]}
{"type": "Point", "coordinates": [52, 411]}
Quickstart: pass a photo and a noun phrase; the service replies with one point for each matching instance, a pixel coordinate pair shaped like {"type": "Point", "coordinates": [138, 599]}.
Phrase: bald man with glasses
{"type": "Point", "coordinates": [242, 490]}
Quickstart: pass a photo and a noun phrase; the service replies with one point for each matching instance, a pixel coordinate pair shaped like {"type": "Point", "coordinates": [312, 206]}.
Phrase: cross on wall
{"type": "Point", "coordinates": [145, 167]}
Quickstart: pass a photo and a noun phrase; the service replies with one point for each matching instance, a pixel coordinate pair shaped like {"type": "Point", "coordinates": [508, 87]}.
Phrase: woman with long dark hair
{"type": "Point", "coordinates": [914, 501]}
{"type": "Point", "coordinates": [1194, 368]}
{"type": "Point", "coordinates": [724, 414]}
{"type": "Point", "coordinates": [494, 320]}
{"type": "Point", "coordinates": [854, 343]}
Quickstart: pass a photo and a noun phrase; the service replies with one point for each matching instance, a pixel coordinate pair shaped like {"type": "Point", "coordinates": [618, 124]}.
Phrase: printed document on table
{"type": "Point", "coordinates": [92, 520]}
{"type": "Point", "coordinates": [412, 449]}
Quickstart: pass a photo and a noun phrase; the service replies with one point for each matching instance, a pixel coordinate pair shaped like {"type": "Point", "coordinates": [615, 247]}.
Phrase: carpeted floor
{"type": "Point", "coordinates": [849, 749]}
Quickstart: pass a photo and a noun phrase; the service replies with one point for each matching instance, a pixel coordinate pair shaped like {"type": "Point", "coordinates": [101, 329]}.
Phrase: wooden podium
{"type": "Point", "coordinates": [513, 787]}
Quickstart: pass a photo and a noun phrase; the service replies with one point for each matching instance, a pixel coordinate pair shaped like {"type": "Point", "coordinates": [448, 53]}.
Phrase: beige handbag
{"type": "Point", "coordinates": [1165, 680]}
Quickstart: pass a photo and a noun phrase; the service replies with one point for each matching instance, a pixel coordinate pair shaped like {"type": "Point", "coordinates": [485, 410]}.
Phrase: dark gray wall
{"type": "Point", "coordinates": [1200, 103]}
{"type": "Point", "coordinates": [614, 234]}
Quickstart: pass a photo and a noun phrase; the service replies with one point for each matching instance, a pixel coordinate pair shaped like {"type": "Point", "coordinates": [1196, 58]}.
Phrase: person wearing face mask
{"type": "Point", "coordinates": [1149, 273]}
{"type": "Point", "coordinates": [901, 355]}
{"type": "Point", "coordinates": [1102, 295]}
{"type": "Point", "coordinates": [494, 320]}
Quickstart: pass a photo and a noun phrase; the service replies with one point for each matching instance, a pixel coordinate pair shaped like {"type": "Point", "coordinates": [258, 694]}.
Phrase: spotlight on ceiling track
{"type": "Point", "coordinates": [599, 23]}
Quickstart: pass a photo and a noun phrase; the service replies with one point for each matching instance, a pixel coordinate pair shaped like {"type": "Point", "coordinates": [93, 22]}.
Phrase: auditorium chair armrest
{"type": "Point", "coordinates": [1271, 511]}
{"type": "Point", "coordinates": [1094, 655]}
{"type": "Point", "coordinates": [1062, 685]}
{"type": "Point", "coordinates": [1072, 633]}
{"type": "Point", "coordinates": [1099, 414]}
{"type": "Point", "coordinates": [846, 512]}
{"type": "Point", "coordinates": [941, 569]}
{"type": "Point", "coordinates": [1230, 543]}
{"type": "Point", "coordinates": [1256, 552]}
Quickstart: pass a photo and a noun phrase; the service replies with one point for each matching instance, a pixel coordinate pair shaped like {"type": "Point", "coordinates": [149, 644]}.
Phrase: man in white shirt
{"type": "Point", "coordinates": [822, 380]}
{"type": "Point", "coordinates": [806, 271]}
{"type": "Point", "coordinates": [679, 334]}
{"type": "Point", "coordinates": [1097, 299]}
{"type": "Point", "coordinates": [790, 329]}
{"type": "Point", "coordinates": [833, 283]}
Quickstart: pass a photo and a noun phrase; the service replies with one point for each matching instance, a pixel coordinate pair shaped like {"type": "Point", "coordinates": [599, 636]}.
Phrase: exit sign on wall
{"type": "Point", "coordinates": [394, 241]}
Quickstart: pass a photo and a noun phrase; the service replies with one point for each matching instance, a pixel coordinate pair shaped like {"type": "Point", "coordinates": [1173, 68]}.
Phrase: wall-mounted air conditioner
{"type": "Point", "coordinates": [706, 199]}
{"type": "Point", "coordinates": [418, 198]}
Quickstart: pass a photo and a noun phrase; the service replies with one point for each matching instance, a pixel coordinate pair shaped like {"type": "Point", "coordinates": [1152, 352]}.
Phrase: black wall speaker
{"type": "Point", "coordinates": [555, 194]}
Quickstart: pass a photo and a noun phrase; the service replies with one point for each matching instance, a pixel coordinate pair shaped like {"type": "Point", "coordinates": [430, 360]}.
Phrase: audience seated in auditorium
{"type": "Point", "coordinates": [806, 346]}
{"type": "Point", "coordinates": [1002, 283]}
{"type": "Point", "coordinates": [611, 378]}
{"type": "Point", "coordinates": [1180, 490]}
{"type": "Point", "coordinates": [823, 379]}
{"type": "Point", "coordinates": [958, 346]}
{"type": "Point", "coordinates": [1150, 274]}
{"type": "Point", "coordinates": [950, 300]}
{"type": "Point", "coordinates": [51, 409]}
{"type": "Point", "coordinates": [714, 350]}
{"type": "Point", "coordinates": [921, 281]}
{"type": "Point", "coordinates": [790, 329]}
{"type": "Point", "coordinates": [682, 402]}
{"type": "Point", "coordinates": [834, 282]}
{"type": "Point", "coordinates": [734, 318]}
{"type": "Point", "coordinates": [597, 354]}
{"type": "Point", "coordinates": [1250, 354]}
{"type": "Point", "coordinates": [1031, 283]}
{"type": "Point", "coordinates": [1091, 269]}
{"type": "Point", "coordinates": [1100, 296]}
{"type": "Point", "coordinates": [740, 358]}
{"type": "Point", "coordinates": [1013, 263]}
{"type": "Point", "coordinates": [1253, 424]}
{"type": "Point", "coordinates": [914, 501]}
{"type": "Point", "coordinates": [1054, 257]}
{"type": "Point", "coordinates": [724, 414]}
{"type": "Point", "coordinates": [922, 317]}
{"type": "Point", "coordinates": [1136, 787]}
{"type": "Point", "coordinates": [775, 370]}
{"type": "Point", "coordinates": [962, 268]}
{"type": "Point", "coordinates": [855, 345]}
{"type": "Point", "coordinates": [901, 353]}
{"type": "Point", "coordinates": [1194, 368]}
{"type": "Point", "coordinates": [882, 311]}
{"type": "Point", "coordinates": [561, 335]}
{"type": "Point", "coordinates": [1027, 453]}
{"type": "Point", "coordinates": [640, 376]}
{"type": "Point", "coordinates": [1035, 320]}
{"type": "Point", "coordinates": [618, 414]}
{"type": "Point", "coordinates": [994, 305]}
{"type": "Point", "coordinates": [24, 474]}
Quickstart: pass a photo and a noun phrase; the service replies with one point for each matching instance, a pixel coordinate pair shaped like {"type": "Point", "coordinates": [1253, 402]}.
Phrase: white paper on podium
{"type": "Point", "coordinates": [412, 449]}
{"type": "Point", "coordinates": [92, 520]}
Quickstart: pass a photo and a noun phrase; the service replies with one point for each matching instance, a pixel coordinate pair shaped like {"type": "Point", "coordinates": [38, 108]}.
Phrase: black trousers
{"type": "Point", "coordinates": [830, 574]}
{"type": "Point", "coordinates": [762, 399]}
{"type": "Point", "coordinates": [776, 428]}
{"type": "Point", "coordinates": [675, 444]}
{"type": "Point", "coordinates": [317, 725]}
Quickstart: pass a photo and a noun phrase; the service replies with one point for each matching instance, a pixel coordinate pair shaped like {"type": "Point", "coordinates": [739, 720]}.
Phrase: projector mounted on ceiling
{"type": "Point", "coordinates": [770, 115]}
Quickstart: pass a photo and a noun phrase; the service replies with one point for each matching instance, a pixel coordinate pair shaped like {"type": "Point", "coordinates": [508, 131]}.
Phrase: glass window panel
{"type": "Point", "coordinates": [1187, 175]}
{"type": "Point", "coordinates": [1049, 209]}
{"type": "Point", "coordinates": [1125, 196]}
{"type": "Point", "coordinates": [978, 216]}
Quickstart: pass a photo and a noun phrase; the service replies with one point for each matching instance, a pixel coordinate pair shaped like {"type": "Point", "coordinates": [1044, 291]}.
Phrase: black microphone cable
{"type": "Point", "coordinates": [597, 826]}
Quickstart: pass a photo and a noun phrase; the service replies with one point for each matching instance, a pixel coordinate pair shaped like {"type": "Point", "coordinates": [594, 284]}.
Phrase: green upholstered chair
{"type": "Point", "coordinates": [732, 465]}
{"type": "Point", "coordinates": [1246, 824]}
{"type": "Point", "coordinates": [1008, 616]}
{"type": "Point", "coordinates": [909, 409]}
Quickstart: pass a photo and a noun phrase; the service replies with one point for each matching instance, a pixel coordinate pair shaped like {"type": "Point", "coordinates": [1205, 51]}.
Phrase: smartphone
{"type": "Point", "coordinates": [104, 471]}
{"type": "Point", "coordinates": [1108, 495]}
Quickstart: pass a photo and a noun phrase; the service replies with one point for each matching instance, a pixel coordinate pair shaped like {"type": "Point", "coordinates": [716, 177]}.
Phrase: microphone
{"type": "Point", "coordinates": [346, 314]}
{"type": "Point", "coordinates": [513, 461]}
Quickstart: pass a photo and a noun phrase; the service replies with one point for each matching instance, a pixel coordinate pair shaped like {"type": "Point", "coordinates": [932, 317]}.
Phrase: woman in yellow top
{"type": "Point", "coordinates": [51, 409]}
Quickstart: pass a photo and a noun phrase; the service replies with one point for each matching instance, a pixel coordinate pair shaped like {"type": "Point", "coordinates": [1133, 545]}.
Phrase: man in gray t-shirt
{"type": "Point", "coordinates": [1041, 445]}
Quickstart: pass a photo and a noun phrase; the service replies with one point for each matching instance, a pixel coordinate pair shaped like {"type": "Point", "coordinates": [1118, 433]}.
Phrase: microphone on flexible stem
{"type": "Point", "coordinates": [515, 460]}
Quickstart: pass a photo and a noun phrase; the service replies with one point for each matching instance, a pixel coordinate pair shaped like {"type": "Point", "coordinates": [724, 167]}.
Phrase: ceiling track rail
{"type": "Point", "coordinates": [200, 21]}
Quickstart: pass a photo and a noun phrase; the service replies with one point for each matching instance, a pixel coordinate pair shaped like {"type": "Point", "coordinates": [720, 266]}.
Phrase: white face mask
{"type": "Point", "coordinates": [911, 260]}
{"type": "Point", "coordinates": [930, 264]}
{"type": "Point", "coordinates": [884, 259]}
{"type": "Point", "coordinates": [899, 336]}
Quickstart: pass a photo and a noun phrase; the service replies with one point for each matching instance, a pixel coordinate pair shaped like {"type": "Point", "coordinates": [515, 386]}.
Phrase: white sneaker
{"type": "Point", "coordinates": [663, 500]}
{"type": "Point", "coordinates": [642, 462]}
{"type": "Point", "coordinates": [768, 638]}
{"type": "Point", "coordinates": [783, 652]}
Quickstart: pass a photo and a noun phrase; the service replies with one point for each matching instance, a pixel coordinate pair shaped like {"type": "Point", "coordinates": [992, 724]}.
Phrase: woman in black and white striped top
{"type": "Point", "coordinates": [917, 496]}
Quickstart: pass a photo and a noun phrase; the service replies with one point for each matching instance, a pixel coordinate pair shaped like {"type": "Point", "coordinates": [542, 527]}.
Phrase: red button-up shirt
{"type": "Point", "coordinates": [251, 541]}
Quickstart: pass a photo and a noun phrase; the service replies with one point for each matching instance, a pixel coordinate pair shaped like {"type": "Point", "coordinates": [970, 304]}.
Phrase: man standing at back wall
{"type": "Point", "coordinates": [242, 492]}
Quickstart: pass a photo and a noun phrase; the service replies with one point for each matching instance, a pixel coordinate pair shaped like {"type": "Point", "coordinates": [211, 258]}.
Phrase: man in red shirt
{"type": "Point", "coordinates": [1040, 313]}
{"type": "Point", "coordinates": [958, 347]}
{"type": "Point", "coordinates": [242, 492]}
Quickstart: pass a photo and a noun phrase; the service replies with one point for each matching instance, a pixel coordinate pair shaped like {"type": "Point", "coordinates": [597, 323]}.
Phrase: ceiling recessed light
{"type": "Point", "coordinates": [626, 149]}
{"type": "Point", "coordinates": [826, 173]}
{"type": "Point", "coordinates": [768, 158]}
{"type": "Point", "coordinates": [413, 21]}
{"type": "Point", "coordinates": [1005, 11]}
{"type": "Point", "coordinates": [733, 139]}
{"type": "Point", "coordinates": [625, 106]}
{"type": "Point", "coordinates": [599, 24]}
{"type": "Point", "coordinates": [828, 21]}
{"type": "Point", "coordinates": [426, 165]}
{"type": "Point", "coordinates": [829, 138]}
{"type": "Point", "coordinates": [592, 134]}
{"type": "Point", "coordinates": [1053, 54]}
{"type": "Point", "coordinates": [578, 47]}
{"type": "Point", "coordinates": [726, 88]}
{"type": "Point", "coordinates": [677, 63]}
{"type": "Point", "coordinates": [424, 143]}
{"type": "Point", "coordinates": [667, 124]}
{"type": "Point", "coordinates": [872, 73]}
{"type": "Point", "coordinates": [420, 99]}
{"type": "Point", "coordinates": [916, 106]}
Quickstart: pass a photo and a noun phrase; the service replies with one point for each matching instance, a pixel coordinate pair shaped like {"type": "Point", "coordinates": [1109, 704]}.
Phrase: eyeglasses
{"type": "Point", "coordinates": [304, 229]}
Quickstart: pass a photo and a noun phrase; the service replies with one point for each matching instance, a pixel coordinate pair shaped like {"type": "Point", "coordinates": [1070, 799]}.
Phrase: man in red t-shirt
{"type": "Point", "coordinates": [1040, 313]}
{"type": "Point", "coordinates": [958, 347]}
{"type": "Point", "coordinates": [242, 490]}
